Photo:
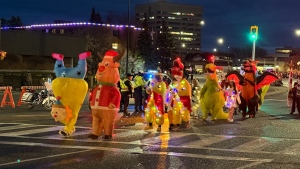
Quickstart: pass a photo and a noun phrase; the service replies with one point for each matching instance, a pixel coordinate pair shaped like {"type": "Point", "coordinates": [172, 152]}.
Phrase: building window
{"type": "Point", "coordinates": [114, 45]}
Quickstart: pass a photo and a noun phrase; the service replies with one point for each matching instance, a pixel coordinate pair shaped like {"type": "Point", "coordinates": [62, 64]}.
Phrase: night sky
{"type": "Point", "coordinates": [228, 19]}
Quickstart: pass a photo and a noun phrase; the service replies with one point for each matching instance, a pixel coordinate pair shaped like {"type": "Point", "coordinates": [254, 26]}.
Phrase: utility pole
{"type": "Point", "coordinates": [128, 15]}
{"type": "Point", "coordinates": [253, 36]}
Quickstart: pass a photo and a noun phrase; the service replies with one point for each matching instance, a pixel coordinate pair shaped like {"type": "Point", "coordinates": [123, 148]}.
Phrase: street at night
{"type": "Point", "coordinates": [30, 139]}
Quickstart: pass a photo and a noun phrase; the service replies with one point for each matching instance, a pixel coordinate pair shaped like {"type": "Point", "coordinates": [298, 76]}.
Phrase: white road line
{"type": "Point", "coordinates": [134, 150]}
{"type": "Point", "coordinates": [257, 144]}
{"type": "Point", "coordinates": [206, 141]}
{"type": "Point", "coordinates": [33, 131]}
{"type": "Point", "coordinates": [278, 100]}
{"type": "Point", "coordinates": [250, 165]}
{"type": "Point", "coordinates": [292, 150]}
{"type": "Point", "coordinates": [19, 126]}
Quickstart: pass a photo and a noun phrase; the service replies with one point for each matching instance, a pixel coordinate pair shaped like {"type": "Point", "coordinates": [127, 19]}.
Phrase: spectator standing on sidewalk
{"type": "Point", "coordinates": [295, 99]}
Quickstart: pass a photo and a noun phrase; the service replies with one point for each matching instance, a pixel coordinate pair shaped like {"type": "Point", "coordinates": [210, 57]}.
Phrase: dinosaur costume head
{"type": "Point", "coordinates": [211, 71]}
{"type": "Point", "coordinates": [250, 69]}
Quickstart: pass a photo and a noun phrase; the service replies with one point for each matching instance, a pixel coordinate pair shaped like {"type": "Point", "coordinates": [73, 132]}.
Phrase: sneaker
{"type": "Point", "coordinates": [92, 136]}
{"type": "Point", "coordinates": [148, 128]}
{"type": "Point", "coordinates": [230, 120]}
{"type": "Point", "coordinates": [158, 128]}
{"type": "Point", "coordinates": [64, 133]}
{"type": "Point", "coordinates": [107, 138]}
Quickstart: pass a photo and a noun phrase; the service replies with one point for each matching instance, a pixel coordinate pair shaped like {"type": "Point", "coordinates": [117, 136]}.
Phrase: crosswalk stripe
{"type": "Point", "coordinates": [293, 150]}
{"type": "Point", "coordinates": [19, 126]}
{"type": "Point", "coordinates": [138, 150]}
{"type": "Point", "coordinates": [33, 131]}
{"type": "Point", "coordinates": [256, 144]}
{"type": "Point", "coordinates": [206, 141]}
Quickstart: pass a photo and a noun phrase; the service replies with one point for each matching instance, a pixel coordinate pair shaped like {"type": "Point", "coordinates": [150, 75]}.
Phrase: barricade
{"type": "Point", "coordinates": [8, 92]}
{"type": "Point", "coordinates": [23, 90]}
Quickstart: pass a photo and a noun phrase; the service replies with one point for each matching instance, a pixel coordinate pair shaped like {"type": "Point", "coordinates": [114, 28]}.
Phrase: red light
{"type": "Point", "coordinates": [178, 58]}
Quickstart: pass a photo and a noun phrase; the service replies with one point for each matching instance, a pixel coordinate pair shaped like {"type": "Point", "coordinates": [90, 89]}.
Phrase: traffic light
{"type": "Point", "coordinates": [254, 32]}
{"type": "Point", "coordinates": [211, 58]}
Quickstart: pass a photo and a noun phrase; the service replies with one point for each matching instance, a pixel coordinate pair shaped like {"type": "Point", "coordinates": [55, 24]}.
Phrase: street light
{"type": "Point", "coordinates": [128, 23]}
{"type": "Point", "coordinates": [220, 41]}
{"type": "Point", "coordinates": [297, 32]}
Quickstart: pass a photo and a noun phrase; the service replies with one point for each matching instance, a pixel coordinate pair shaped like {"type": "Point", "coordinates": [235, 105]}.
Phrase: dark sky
{"type": "Point", "coordinates": [228, 19]}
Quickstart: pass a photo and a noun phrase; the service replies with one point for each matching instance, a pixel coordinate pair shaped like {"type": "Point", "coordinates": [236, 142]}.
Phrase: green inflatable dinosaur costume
{"type": "Point", "coordinates": [212, 97]}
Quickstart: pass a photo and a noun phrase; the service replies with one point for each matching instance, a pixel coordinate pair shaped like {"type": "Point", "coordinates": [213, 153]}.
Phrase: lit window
{"type": "Point", "coordinates": [114, 45]}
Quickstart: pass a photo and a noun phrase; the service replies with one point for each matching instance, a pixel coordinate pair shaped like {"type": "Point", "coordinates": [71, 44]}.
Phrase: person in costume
{"type": "Point", "coordinates": [156, 102]}
{"type": "Point", "coordinates": [70, 89]}
{"type": "Point", "coordinates": [212, 96]}
{"type": "Point", "coordinates": [196, 88]}
{"type": "Point", "coordinates": [232, 98]}
{"type": "Point", "coordinates": [105, 99]}
{"type": "Point", "coordinates": [182, 92]}
{"type": "Point", "coordinates": [249, 84]}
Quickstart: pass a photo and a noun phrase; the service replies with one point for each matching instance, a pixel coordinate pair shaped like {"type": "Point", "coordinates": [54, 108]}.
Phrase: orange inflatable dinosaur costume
{"type": "Point", "coordinates": [249, 84]}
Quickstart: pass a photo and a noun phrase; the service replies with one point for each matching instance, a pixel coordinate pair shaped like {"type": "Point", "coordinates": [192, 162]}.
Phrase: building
{"type": "Point", "coordinates": [29, 48]}
{"type": "Point", "coordinates": [184, 22]}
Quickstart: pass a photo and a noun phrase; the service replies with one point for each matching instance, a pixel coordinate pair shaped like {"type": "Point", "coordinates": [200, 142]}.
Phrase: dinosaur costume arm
{"type": "Point", "coordinates": [203, 90]}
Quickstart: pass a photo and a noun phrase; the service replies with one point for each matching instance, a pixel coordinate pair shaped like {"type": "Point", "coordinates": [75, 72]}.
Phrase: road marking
{"type": "Point", "coordinates": [250, 165]}
{"type": "Point", "coordinates": [206, 141]}
{"type": "Point", "coordinates": [33, 131]}
{"type": "Point", "coordinates": [133, 150]}
{"type": "Point", "coordinates": [256, 144]}
{"type": "Point", "coordinates": [18, 126]}
{"type": "Point", "coordinates": [278, 100]}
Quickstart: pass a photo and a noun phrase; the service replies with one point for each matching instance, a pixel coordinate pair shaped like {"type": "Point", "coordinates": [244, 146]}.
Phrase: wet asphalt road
{"type": "Point", "coordinates": [30, 139]}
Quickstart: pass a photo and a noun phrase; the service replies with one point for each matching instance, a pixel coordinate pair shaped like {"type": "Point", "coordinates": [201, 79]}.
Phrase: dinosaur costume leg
{"type": "Point", "coordinates": [204, 110]}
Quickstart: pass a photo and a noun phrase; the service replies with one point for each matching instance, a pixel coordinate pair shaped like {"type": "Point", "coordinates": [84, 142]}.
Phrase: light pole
{"type": "Point", "coordinates": [128, 23]}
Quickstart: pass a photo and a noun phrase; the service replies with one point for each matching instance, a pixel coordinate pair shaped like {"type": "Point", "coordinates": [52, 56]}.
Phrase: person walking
{"type": "Point", "coordinates": [232, 98]}
{"type": "Point", "coordinates": [126, 93]}
{"type": "Point", "coordinates": [139, 83]}
{"type": "Point", "coordinates": [295, 99]}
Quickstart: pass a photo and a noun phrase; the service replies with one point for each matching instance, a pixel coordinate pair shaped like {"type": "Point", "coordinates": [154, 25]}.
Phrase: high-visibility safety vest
{"type": "Point", "coordinates": [138, 81]}
{"type": "Point", "coordinates": [124, 88]}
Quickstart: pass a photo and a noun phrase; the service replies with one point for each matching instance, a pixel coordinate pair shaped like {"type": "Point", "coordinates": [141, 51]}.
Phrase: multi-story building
{"type": "Point", "coordinates": [184, 22]}
{"type": "Point", "coordinates": [29, 48]}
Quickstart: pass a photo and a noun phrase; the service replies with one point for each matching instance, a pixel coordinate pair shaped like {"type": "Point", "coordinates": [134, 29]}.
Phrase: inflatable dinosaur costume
{"type": "Point", "coordinates": [249, 85]}
{"type": "Point", "coordinates": [212, 97]}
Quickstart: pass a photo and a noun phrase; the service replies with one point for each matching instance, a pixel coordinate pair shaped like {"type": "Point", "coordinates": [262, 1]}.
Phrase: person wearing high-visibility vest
{"type": "Point", "coordinates": [126, 92]}
{"type": "Point", "coordinates": [139, 83]}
